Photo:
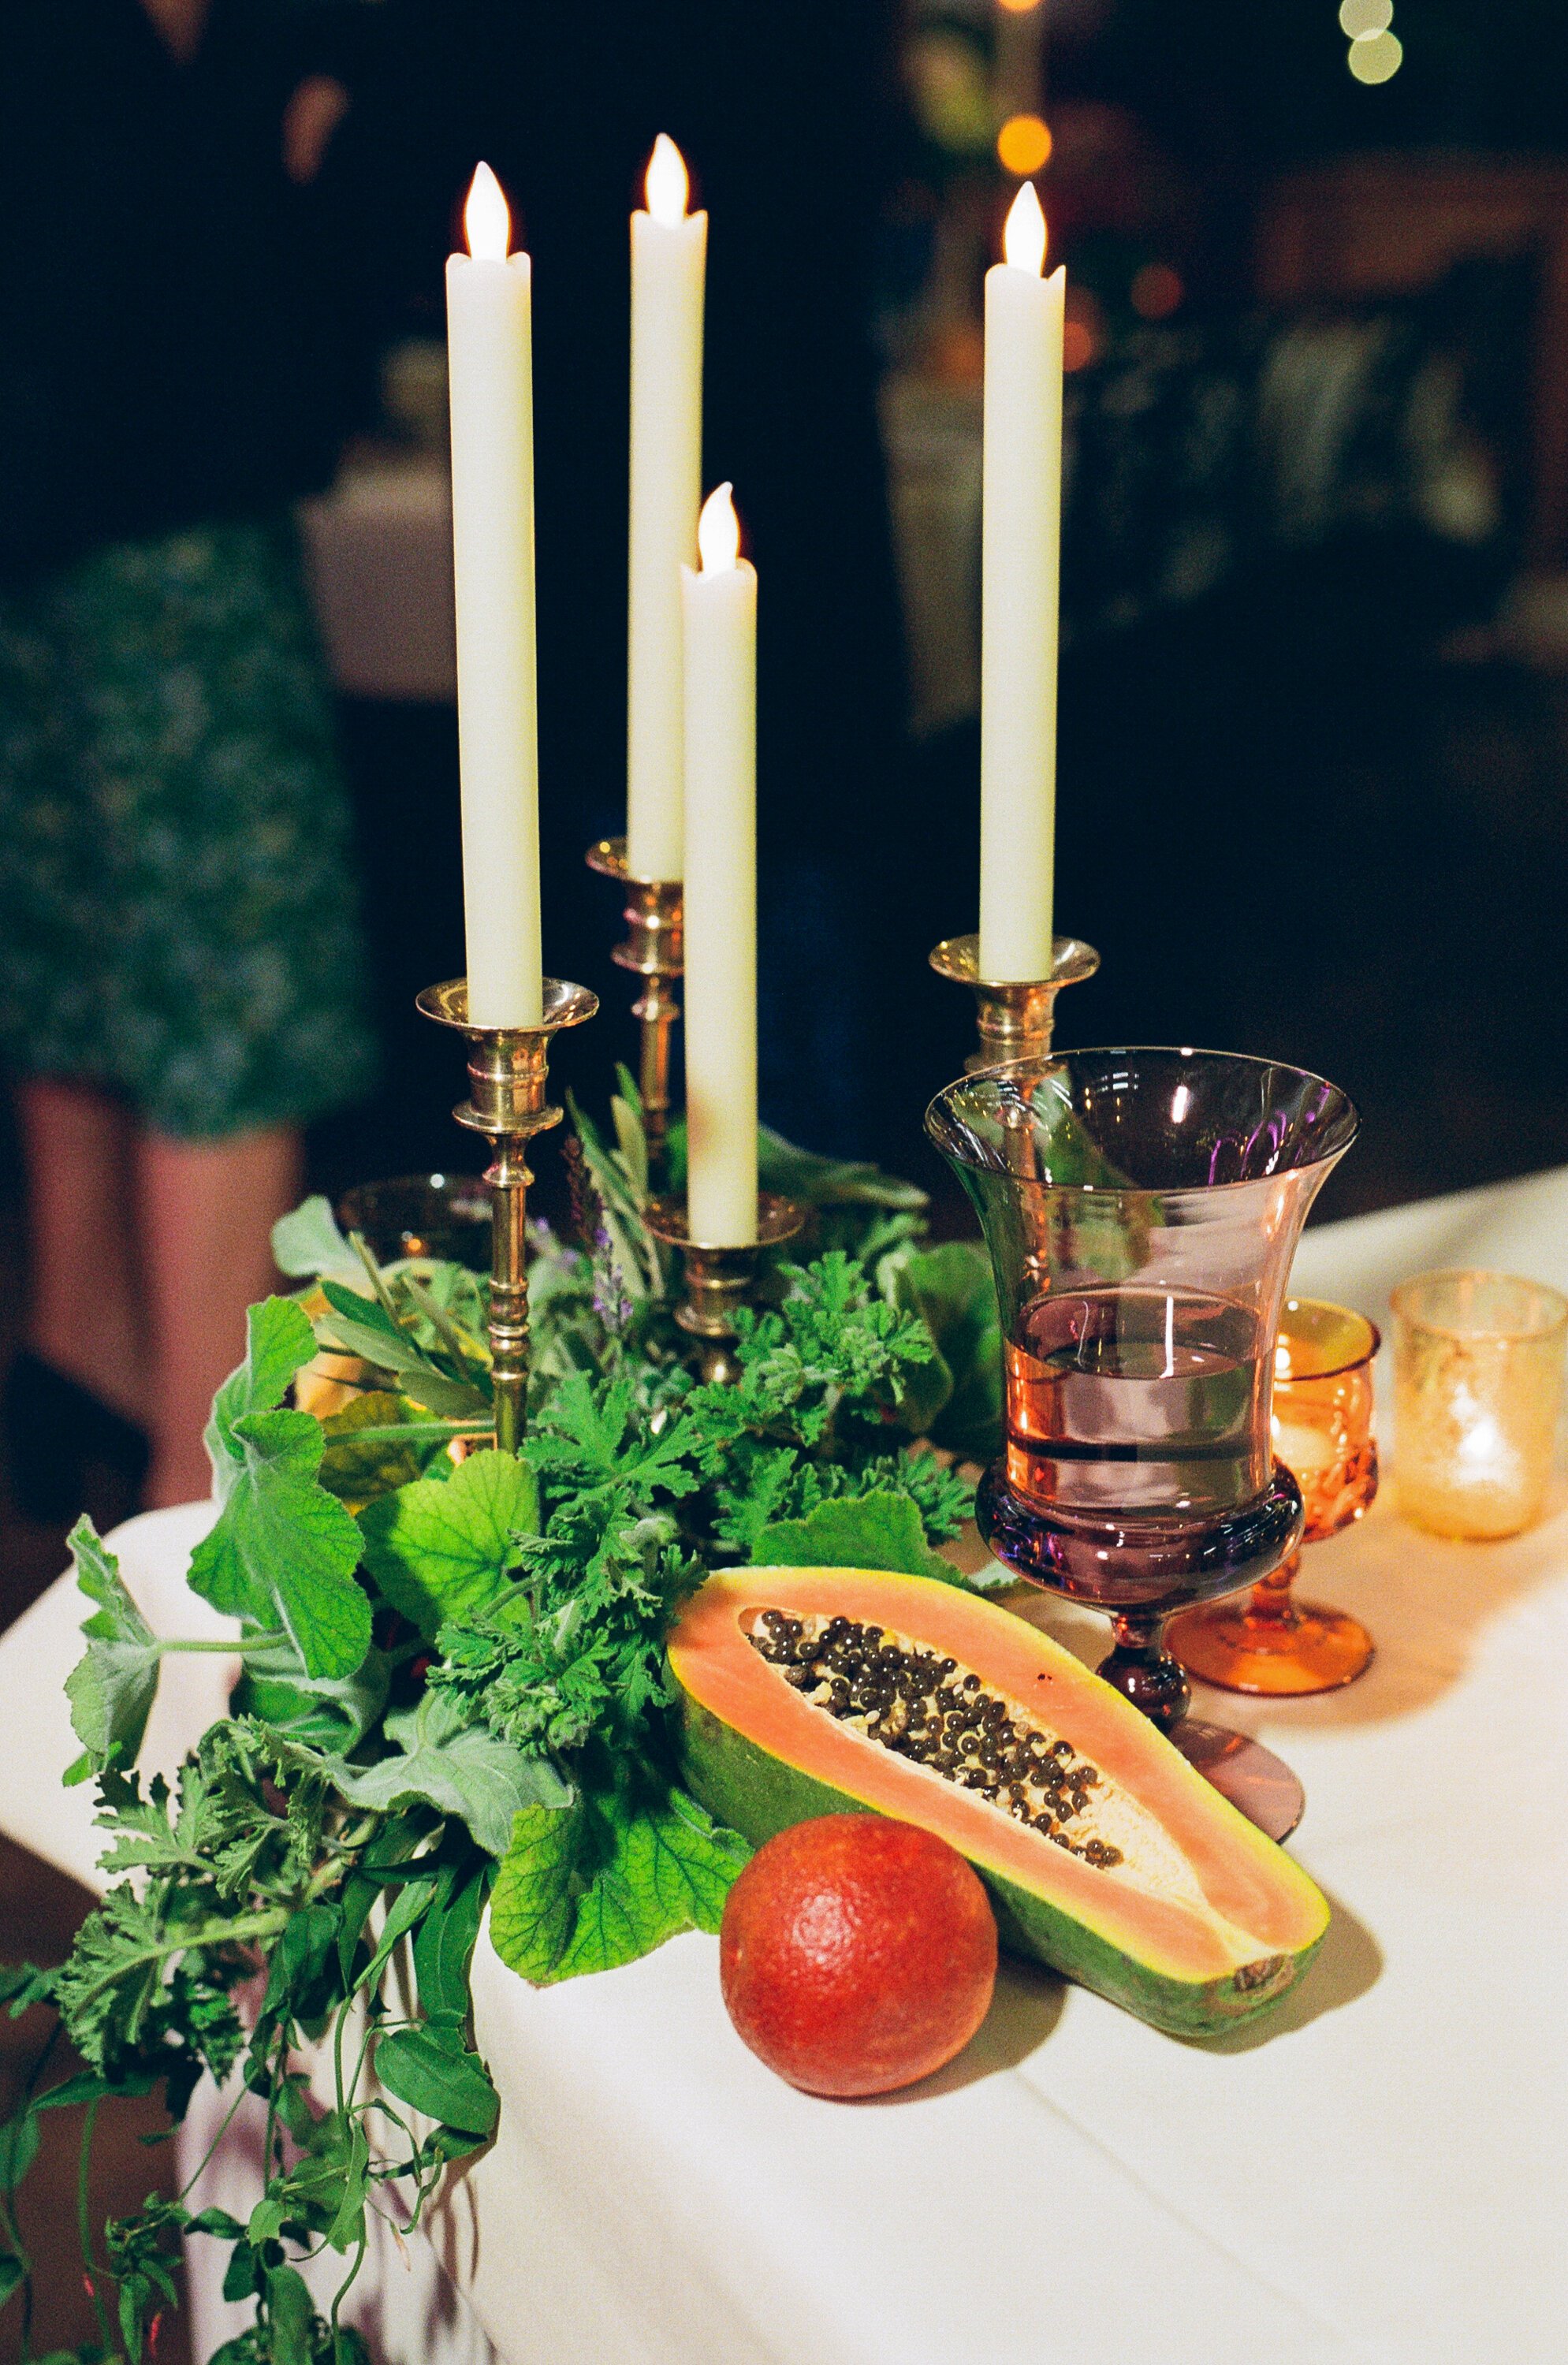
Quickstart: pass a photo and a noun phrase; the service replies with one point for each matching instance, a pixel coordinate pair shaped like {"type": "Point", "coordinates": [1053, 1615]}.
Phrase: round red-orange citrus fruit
{"type": "Point", "coordinates": [857, 1954]}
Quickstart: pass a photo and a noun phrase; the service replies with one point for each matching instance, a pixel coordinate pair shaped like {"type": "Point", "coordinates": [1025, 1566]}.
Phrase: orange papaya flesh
{"type": "Point", "coordinates": [1183, 1912]}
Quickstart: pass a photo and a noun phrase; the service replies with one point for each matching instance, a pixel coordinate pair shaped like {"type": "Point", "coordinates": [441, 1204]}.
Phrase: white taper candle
{"type": "Point", "coordinates": [669, 249]}
{"type": "Point", "coordinates": [1020, 600]}
{"type": "Point", "coordinates": [720, 616]}
{"type": "Point", "coordinates": [489, 348]}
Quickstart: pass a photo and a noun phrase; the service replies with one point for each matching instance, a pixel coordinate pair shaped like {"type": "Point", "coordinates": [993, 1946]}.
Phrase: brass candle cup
{"type": "Point", "coordinates": [655, 951]}
{"type": "Point", "coordinates": [719, 1281]}
{"type": "Point", "coordinates": [507, 1075]}
{"type": "Point", "coordinates": [1015, 1020]}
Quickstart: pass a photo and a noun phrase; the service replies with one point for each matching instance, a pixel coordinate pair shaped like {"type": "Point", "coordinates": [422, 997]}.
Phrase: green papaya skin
{"type": "Point", "coordinates": [757, 1795]}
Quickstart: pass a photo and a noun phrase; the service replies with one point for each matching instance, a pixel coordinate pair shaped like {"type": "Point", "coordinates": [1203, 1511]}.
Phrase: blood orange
{"type": "Point", "coordinates": [857, 1954]}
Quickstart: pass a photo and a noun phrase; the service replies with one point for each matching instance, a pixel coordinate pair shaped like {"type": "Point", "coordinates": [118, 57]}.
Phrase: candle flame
{"type": "Point", "coordinates": [1023, 240]}
{"type": "Point", "coordinates": [719, 531]}
{"type": "Point", "coordinates": [487, 220]}
{"type": "Point", "coordinates": [667, 183]}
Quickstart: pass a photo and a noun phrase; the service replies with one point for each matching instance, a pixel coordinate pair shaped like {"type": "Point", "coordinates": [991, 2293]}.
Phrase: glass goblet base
{"type": "Point", "coordinates": [1261, 1784]}
{"type": "Point", "coordinates": [1305, 1650]}
{"type": "Point", "coordinates": [1139, 1571]}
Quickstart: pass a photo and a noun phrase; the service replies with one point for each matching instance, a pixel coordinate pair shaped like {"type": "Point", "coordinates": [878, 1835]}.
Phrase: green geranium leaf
{"type": "Point", "coordinates": [607, 1882]}
{"type": "Point", "coordinates": [456, 1767]}
{"type": "Point", "coordinates": [534, 1905]}
{"type": "Point", "coordinates": [279, 1342]}
{"type": "Point", "coordinates": [117, 1618]}
{"type": "Point", "coordinates": [111, 1690]}
{"type": "Point", "coordinates": [330, 1712]}
{"type": "Point", "coordinates": [284, 1550]}
{"type": "Point", "coordinates": [952, 1289]}
{"type": "Point", "coordinates": [439, 1549]}
{"type": "Point", "coordinates": [355, 1469]}
{"type": "Point", "coordinates": [880, 1529]}
{"type": "Point", "coordinates": [431, 2070]}
{"type": "Point", "coordinates": [307, 1244]}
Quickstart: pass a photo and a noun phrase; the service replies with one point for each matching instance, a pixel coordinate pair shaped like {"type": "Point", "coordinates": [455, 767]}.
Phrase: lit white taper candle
{"type": "Point", "coordinates": [669, 251]}
{"type": "Point", "coordinates": [720, 616]}
{"type": "Point", "coordinates": [489, 348]}
{"type": "Point", "coordinates": [1020, 598]}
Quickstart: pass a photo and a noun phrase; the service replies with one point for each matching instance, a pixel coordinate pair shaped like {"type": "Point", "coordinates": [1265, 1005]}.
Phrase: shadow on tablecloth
{"type": "Point", "coordinates": [1431, 1605]}
{"type": "Point", "coordinates": [1025, 2008]}
{"type": "Point", "coordinates": [1348, 1963]}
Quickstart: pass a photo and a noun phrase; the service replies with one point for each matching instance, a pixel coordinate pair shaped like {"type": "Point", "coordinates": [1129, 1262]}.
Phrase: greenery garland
{"type": "Point", "coordinates": [454, 1692]}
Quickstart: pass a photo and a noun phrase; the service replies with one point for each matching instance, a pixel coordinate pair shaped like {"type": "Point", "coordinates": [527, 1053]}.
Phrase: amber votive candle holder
{"type": "Point", "coordinates": [1267, 1641]}
{"type": "Point", "coordinates": [1478, 1362]}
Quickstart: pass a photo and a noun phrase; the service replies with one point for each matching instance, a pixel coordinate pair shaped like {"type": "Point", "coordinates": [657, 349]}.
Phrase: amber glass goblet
{"type": "Point", "coordinates": [1267, 1641]}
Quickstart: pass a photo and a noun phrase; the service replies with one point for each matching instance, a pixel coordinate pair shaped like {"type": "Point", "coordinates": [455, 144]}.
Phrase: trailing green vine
{"type": "Point", "coordinates": [453, 1694]}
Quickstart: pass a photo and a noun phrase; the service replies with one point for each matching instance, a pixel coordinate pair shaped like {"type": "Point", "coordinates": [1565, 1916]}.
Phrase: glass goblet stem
{"type": "Point", "coordinates": [1144, 1672]}
{"type": "Point", "coordinates": [1273, 1604]}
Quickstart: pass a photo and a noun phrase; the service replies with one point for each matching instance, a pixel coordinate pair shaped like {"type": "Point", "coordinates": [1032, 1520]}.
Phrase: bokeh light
{"type": "Point", "coordinates": [1077, 345]}
{"type": "Point", "coordinates": [1359, 20]}
{"type": "Point", "coordinates": [1084, 333]}
{"type": "Point", "coordinates": [952, 97]}
{"type": "Point", "coordinates": [1376, 59]}
{"type": "Point", "coordinates": [1156, 292]}
{"type": "Point", "coordinates": [1023, 144]}
{"type": "Point", "coordinates": [1019, 7]}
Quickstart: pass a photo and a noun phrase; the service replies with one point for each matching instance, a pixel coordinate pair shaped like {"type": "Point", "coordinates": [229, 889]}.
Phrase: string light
{"type": "Point", "coordinates": [1376, 59]}
{"type": "Point", "coordinates": [1376, 54]}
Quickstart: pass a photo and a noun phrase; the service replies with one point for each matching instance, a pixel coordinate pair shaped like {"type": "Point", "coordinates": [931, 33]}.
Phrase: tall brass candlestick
{"type": "Point", "coordinates": [508, 1074]}
{"type": "Point", "coordinates": [655, 951]}
{"type": "Point", "coordinates": [719, 1280]}
{"type": "Point", "coordinates": [1015, 1020]}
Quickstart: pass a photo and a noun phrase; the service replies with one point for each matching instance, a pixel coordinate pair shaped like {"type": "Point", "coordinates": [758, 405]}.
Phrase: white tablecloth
{"type": "Point", "coordinates": [1377, 2175]}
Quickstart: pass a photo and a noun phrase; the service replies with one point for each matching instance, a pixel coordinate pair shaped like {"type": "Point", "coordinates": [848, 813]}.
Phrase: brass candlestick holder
{"type": "Point", "coordinates": [719, 1281]}
{"type": "Point", "coordinates": [655, 951]}
{"type": "Point", "coordinates": [1015, 1020]}
{"type": "Point", "coordinates": [508, 1073]}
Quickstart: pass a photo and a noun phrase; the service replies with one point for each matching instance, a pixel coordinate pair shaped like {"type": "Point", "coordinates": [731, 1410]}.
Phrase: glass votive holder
{"type": "Point", "coordinates": [1478, 1383]}
{"type": "Point", "coordinates": [422, 1215]}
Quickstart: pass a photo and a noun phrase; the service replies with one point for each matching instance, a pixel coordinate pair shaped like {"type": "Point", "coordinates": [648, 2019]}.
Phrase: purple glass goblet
{"type": "Point", "coordinates": [1141, 1209]}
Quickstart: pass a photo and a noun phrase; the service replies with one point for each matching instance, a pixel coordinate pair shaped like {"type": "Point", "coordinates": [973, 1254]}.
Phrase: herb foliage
{"type": "Point", "coordinates": [454, 1693]}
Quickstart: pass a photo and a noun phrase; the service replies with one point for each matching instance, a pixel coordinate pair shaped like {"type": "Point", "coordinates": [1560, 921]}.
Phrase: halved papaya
{"type": "Point", "coordinates": [810, 1691]}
